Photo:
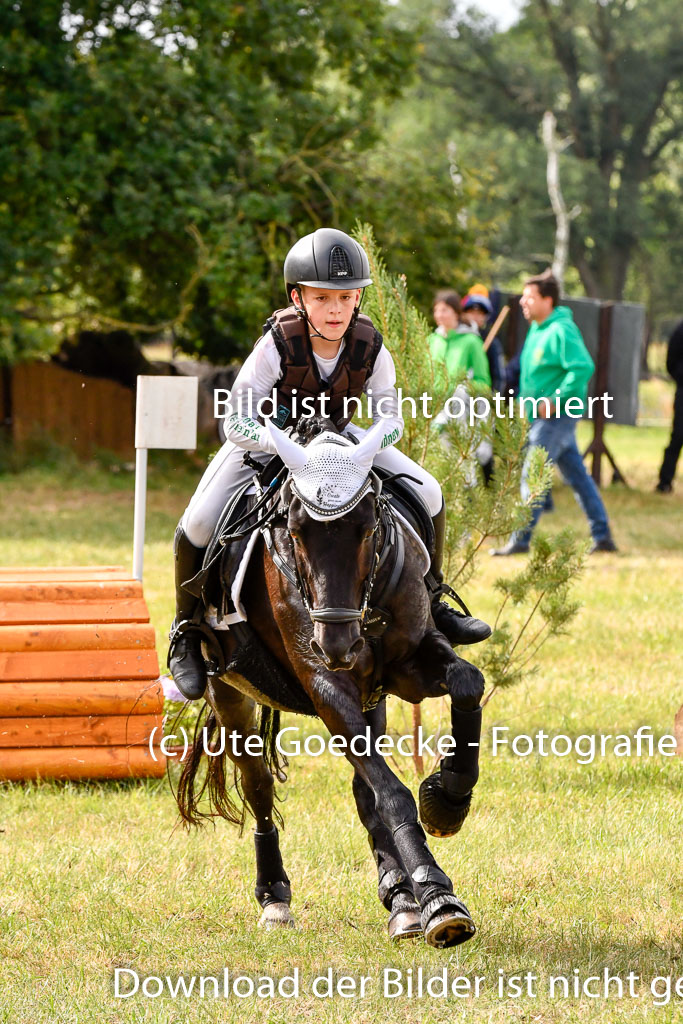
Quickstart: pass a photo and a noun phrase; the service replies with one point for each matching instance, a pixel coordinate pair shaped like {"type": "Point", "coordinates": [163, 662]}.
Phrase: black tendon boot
{"type": "Point", "coordinates": [457, 627]}
{"type": "Point", "coordinates": [395, 890]}
{"type": "Point", "coordinates": [185, 659]}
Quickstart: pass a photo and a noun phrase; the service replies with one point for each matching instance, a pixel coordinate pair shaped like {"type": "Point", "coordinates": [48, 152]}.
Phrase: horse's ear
{"type": "Point", "coordinates": [365, 451]}
{"type": "Point", "coordinates": [292, 454]}
{"type": "Point", "coordinates": [376, 484]}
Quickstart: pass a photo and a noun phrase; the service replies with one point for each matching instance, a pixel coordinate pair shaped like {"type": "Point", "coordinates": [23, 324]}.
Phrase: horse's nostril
{"type": "Point", "coordinates": [343, 660]}
{"type": "Point", "coordinates": [356, 647]}
{"type": "Point", "coordinates": [319, 652]}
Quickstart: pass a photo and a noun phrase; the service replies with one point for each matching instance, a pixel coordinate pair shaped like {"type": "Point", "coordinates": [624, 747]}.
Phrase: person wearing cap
{"type": "Point", "coordinates": [456, 345]}
{"type": "Point", "coordinates": [319, 347]}
{"type": "Point", "coordinates": [478, 310]}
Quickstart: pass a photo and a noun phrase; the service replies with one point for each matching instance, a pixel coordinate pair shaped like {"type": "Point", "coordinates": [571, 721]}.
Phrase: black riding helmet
{"type": "Point", "coordinates": [327, 258]}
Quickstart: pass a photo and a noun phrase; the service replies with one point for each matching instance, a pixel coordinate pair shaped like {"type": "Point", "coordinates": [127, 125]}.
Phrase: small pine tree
{"type": "Point", "coordinates": [539, 596]}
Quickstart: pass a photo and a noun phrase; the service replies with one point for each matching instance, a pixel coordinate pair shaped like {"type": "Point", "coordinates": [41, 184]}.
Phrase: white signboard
{"type": "Point", "coordinates": [166, 412]}
{"type": "Point", "coordinates": [165, 417]}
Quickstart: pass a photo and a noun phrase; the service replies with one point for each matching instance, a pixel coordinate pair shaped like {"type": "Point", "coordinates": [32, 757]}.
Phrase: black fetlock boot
{"type": "Point", "coordinates": [445, 796]}
{"type": "Point", "coordinates": [457, 627]}
{"type": "Point", "coordinates": [185, 659]}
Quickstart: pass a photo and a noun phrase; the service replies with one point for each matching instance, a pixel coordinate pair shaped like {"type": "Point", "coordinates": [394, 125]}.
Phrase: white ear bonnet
{"type": "Point", "coordinates": [331, 475]}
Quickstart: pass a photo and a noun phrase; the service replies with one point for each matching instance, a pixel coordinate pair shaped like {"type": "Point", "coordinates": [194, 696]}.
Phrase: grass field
{"type": "Point", "coordinates": [568, 869]}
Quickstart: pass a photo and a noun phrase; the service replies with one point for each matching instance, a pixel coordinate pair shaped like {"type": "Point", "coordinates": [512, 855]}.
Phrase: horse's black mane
{"type": "Point", "coordinates": [309, 427]}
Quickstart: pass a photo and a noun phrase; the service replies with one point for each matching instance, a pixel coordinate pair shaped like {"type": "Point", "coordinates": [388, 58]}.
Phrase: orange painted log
{"type": "Point", "coordinates": [113, 636]}
{"type": "Point", "coordinates": [79, 687]}
{"type": "Point", "coordinates": [69, 572]}
{"type": "Point", "coordinates": [16, 667]}
{"type": "Point", "coordinates": [75, 590]}
{"type": "Point", "coordinates": [81, 763]}
{"type": "Point", "coordinates": [75, 731]}
{"type": "Point", "coordinates": [109, 697]}
{"type": "Point", "coordinates": [18, 613]}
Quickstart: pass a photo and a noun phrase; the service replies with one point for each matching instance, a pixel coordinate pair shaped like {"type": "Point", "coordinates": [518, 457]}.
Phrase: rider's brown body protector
{"type": "Point", "coordinates": [301, 378]}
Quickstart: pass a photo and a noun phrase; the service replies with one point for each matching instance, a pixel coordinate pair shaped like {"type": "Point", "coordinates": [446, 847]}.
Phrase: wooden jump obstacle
{"type": "Point", "coordinates": [79, 690]}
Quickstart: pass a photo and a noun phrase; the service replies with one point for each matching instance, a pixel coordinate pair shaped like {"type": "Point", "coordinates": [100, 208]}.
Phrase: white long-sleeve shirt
{"type": "Point", "coordinates": [262, 370]}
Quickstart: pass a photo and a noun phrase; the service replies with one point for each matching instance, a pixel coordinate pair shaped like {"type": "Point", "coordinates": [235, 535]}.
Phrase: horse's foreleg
{"type": "Point", "coordinates": [237, 714]}
{"type": "Point", "coordinates": [445, 919]}
{"type": "Point", "coordinates": [394, 887]}
{"type": "Point", "coordinates": [446, 795]}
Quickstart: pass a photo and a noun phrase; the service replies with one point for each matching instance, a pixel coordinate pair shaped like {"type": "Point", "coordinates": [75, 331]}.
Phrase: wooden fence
{"type": "Point", "coordinates": [83, 413]}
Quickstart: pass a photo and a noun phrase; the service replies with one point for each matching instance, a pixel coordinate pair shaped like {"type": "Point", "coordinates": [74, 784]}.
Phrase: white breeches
{"type": "Point", "coordinates": [226, 473]}
{"type": "Point", "coordinates": [395, 461]}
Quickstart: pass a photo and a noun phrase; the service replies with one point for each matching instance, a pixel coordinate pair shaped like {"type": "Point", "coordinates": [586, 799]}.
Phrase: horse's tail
{"type": "Point", "coordinates": [219, 804]}
{"type": "Point", "coordinates": [269, 727]}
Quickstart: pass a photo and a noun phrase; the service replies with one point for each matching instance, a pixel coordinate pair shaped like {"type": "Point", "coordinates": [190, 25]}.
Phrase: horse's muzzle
{"type": "Point", "coordinates": [338, 655]}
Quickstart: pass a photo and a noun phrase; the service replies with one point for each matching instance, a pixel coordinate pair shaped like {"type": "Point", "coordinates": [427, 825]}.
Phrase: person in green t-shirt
{"type": "Point", "coordinates": [556, 366]}
{"type": "Point", "coordinates": [456, 346]}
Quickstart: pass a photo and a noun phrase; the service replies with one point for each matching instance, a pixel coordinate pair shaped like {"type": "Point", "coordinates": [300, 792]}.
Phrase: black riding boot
{"type": "Point", "coordinates": [457, 627]}
{"type": "Point", "coordinates": [185, 659]}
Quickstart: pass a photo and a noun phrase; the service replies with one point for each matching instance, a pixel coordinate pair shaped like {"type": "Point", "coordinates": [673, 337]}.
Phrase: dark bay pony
{"type": "Point", "coordinates": [332, 561]}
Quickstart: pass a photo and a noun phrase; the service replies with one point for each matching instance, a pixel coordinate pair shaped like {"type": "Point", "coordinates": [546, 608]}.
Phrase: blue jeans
{"type": "Point", "coordinates": [558, 437]}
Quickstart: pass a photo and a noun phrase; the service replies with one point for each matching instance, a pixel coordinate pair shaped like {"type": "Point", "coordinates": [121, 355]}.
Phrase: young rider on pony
{"type": "Point", "coordinates": [320, 345]}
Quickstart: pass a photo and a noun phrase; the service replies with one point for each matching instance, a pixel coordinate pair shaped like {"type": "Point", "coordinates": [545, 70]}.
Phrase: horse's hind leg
{"type": "Point", "coordinates": [237, 714]}
{"type": "Point", "coordinates": [394, 888]}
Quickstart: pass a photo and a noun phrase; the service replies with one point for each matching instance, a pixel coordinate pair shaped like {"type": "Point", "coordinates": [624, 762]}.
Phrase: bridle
{"type": "Point", "coordinates": [294, 577]}
{"type": "Point", "coordinates": [388, 551]}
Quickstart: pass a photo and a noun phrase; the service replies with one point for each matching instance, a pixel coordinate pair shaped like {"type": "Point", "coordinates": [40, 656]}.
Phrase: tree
{"type": "Point", "coordinates": [160, 158]}
{"type": "Point", "coordinates": [537, 602]}
{"type": "Point", "coordinates": [611, 72]}
{"type": "Point", "coordinates": [412, 191]}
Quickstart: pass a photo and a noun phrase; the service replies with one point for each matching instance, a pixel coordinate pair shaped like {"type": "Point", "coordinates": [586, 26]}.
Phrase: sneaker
{"type": "Point", "coordinates": [607, 544]}
{"type": "Point", "coordinates": [513, 547]}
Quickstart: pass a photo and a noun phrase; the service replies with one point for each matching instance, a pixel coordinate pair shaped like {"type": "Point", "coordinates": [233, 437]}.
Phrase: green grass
{"type": "Point", "coordinates": [563, 866]}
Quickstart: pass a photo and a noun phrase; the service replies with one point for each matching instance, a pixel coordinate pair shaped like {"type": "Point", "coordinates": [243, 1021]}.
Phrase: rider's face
{"type": "Point", "coordinates": [329, 309]}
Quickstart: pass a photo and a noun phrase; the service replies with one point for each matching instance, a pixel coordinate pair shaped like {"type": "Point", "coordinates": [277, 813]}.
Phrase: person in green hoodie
{"type": "Point", "coordinates": [456, 346]}
{"type": "Point", "coordinates": [556, 366]}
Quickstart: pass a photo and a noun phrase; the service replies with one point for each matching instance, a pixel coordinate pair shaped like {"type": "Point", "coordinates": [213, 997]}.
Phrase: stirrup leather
{"type": "Point", "coordinates": [438, 589]}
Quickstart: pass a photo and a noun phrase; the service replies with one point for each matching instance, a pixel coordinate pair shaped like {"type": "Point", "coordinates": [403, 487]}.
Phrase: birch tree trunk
{"type": "Point", "coordinates": [563, 218]}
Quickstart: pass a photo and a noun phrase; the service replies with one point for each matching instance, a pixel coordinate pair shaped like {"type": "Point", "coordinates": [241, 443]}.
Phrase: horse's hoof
{"type": "Point", "coordinates": [441, 816]}
{"type": "Point", "coordinates": [446, 922]}
{"type": "Point", "coordinates": [406, 924]}
{"type": "Point", "coordinates": [276, 915]}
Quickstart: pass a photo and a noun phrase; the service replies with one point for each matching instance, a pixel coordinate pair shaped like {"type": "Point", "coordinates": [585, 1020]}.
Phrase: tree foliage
{"type": "Point", "coordinates": [160, 158]}
{"type": "Point", "coordinates": [536, 603]}
{"type": "Point", "coordinates": [611, 72]}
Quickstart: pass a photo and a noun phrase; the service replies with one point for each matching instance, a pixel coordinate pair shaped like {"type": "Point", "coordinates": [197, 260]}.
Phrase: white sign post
{"type": "Point", "coordinates": [165, 417]}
